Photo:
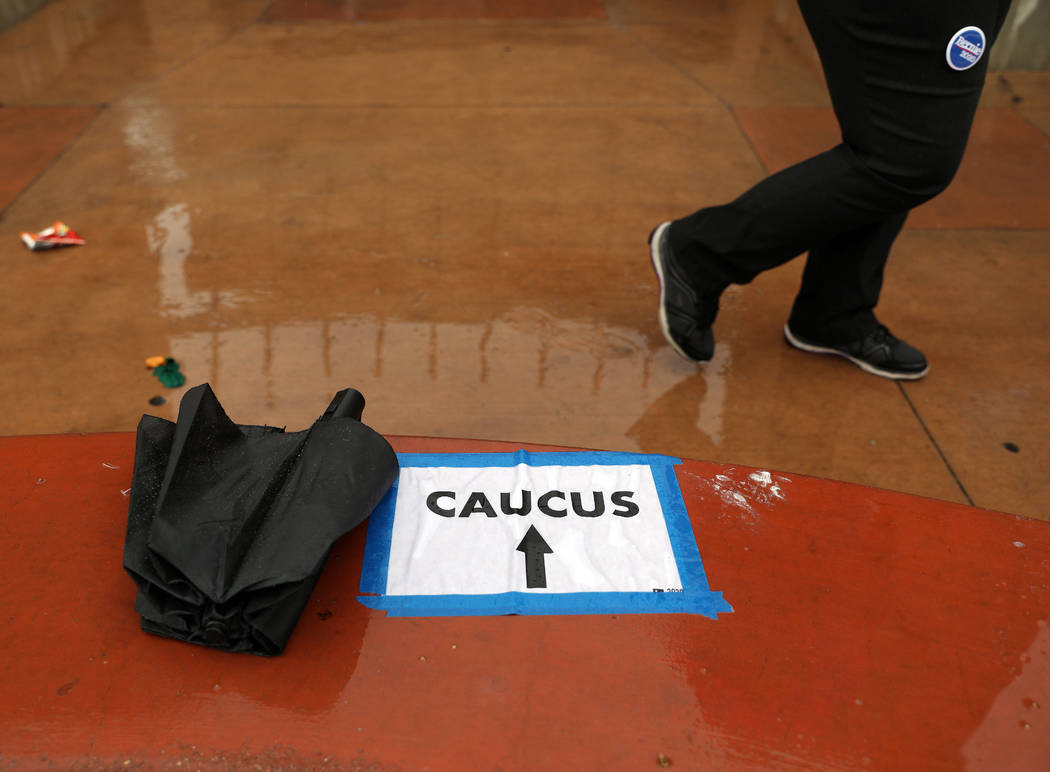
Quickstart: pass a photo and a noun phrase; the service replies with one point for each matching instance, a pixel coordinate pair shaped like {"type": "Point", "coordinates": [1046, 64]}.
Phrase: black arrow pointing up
{"type": "Point", "coordinates": [534, 548]}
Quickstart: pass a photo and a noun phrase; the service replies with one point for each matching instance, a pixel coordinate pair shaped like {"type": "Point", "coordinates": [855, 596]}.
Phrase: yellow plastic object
{"type": "Point", "coordinates": [154, 362]}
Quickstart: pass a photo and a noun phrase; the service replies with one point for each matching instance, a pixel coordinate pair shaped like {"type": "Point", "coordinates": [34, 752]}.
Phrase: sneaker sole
{"type": "Point", "coordinates": [866, 367]}
{"type": "Point", "coordinates": [654, 256]}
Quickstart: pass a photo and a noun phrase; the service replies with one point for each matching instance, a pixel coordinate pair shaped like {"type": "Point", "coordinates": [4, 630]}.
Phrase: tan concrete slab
{"type": "Point", "coordinates": [763, 403]}
{"type": "Point", "coordinates": [93, 51]}
{"type": "Point", "coordinates": [30, 139]}
{"type": "Point", "coordinates": [1038, 116]}
{"type": "Point", "coordinates": [417, 10]}
{"type": "Point", "coordinates": [976, 303]}
{"type": "Point", "coordinates": [407, 219]}
{"type": "Point", "coordinates": [442, 65]}
{"type": "Point", "coordinates": [509, 297]}
{"type": "Point", "coordinates": [1000, 183]}
{"type": "Point", "coordinates": [1020, 87]}
{"type": "Point", "coordinates": [741, 57]}
{"type": "Point", "coordinates": [675, 11]}
{"type": "Point", "coordinates": [467, 247]}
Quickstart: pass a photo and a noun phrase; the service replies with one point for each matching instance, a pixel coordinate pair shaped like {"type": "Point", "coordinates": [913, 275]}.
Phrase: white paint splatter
{"type": "Point", "coordinates": [759, 488]}
{"type": "Point", "coordinates": [765, 479]}
{"type": "Point", "coordinates": [727, 491]}
{"type": "Point", "coordinates": [1019, 544]}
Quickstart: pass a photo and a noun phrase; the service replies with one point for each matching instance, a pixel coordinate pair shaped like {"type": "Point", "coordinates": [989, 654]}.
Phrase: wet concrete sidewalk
{"type": "Point", "coordinates": [445, 205]}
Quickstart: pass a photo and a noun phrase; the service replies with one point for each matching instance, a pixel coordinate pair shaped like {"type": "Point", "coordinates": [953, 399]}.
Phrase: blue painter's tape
{"type": "Point", "coordinates": [570, 458]}
{"type": "Point", "coordinates": [679, 528]}
{"type": "Point", "coordinates": [695, 598]}
{"type": "Point", "coordinates": [377, 544]}
{"type": "Point", "coordinates": [708, 603]}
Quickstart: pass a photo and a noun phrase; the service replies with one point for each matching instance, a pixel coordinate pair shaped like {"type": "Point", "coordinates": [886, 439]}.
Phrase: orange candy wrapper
{"type": "Point", "coordinates": [58, 235]}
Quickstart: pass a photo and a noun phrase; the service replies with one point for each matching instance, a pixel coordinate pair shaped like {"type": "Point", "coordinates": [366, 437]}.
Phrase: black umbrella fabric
{"type": "Point", "coordinates": [229, 525]}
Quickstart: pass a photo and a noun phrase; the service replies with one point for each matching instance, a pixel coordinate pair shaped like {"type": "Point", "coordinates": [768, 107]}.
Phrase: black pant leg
{"type": "Point", "coordinates": [843, 277]}
{"type": "Point", "coordinates": [842, 282]}
{"type": "Point", "coordinates": [905, 117]}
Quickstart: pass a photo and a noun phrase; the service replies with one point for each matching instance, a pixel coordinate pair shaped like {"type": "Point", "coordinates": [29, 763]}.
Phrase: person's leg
{"type": "Point", "coordinates": [834, 312]}
{"type": "Point", "coordinates": [842, 282]}
{"type": "Point", "coordinates": [905, 117]}
{"type": "Point", "coordinates": [843, 276]}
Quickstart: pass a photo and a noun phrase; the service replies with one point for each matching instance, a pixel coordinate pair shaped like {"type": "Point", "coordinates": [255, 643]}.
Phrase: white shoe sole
{"type": "Point", "coordinates": [868, 368]}
{"type": "Point", "coordinates": [654, 255]}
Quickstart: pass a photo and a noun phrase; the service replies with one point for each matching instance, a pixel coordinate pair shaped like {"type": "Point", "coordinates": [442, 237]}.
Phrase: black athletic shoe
{"type": "Point", "coordinates": [686, 314]}
{"type": "Point", "coordinates": [879, 353]}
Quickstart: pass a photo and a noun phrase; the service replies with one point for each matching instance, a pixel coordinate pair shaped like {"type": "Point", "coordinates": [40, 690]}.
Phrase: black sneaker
{"type": "Point", "coordinates": [879, 353]}
{"type": "Point", "coordinates": [686, 314]}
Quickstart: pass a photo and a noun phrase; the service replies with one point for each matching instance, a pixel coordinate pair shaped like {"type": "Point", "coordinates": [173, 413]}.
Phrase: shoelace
{"type": "Point", "coordinates": [880, 338]}
{"type": "Point", "coordinates": [882, 335]}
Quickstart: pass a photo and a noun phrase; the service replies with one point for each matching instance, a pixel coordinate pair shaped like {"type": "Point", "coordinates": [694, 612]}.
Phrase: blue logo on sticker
{"type": "Point", "coordinates": [965, 48]}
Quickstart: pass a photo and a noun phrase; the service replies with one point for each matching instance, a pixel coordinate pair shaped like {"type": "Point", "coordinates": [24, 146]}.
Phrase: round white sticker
{"type": "Point", "coordinates": [965, 48]}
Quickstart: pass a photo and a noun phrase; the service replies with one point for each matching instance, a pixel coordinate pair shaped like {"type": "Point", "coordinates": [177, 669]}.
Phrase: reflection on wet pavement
{"type": "Point", "coordinates": [170, 238]}
{"type": "Point", "coordinates": [445, 205]}
{"type": "Point", "coordinates": [150, 135]}
{"type": "Point", "coordinates": [1018, 711]}
{"type": "Point", "coordinates": [524, 368]}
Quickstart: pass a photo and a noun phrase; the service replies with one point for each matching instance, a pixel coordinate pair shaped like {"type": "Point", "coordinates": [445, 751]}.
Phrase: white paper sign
{"type": "Point", "coordinates": [462, 531]}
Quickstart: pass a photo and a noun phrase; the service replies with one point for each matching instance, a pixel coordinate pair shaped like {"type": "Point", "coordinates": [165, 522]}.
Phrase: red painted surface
{"type": "Point", "coordinates": [871, 630]}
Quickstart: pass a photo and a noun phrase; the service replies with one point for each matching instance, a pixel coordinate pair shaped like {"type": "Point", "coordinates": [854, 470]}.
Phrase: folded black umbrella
{"type": "Point", "coordinates": [229, 526]}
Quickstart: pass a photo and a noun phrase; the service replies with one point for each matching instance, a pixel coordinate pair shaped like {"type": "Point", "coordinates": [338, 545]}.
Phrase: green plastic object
{"type": "Point", "coordinates": [169, 375]}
